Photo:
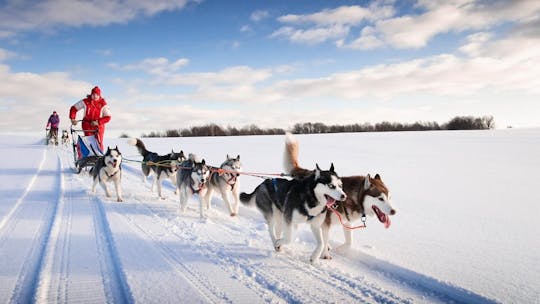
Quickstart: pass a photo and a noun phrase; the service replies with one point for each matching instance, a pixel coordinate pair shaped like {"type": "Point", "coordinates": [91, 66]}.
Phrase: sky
{"type": "Point", "coordinates": [166, 65]}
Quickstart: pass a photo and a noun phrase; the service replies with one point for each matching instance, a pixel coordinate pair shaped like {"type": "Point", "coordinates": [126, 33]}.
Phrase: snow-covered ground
{"type": "Point", "coordinates": [465, 228]}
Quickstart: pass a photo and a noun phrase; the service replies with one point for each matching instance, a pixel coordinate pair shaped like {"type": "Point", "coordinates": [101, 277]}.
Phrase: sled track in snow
{"type": "Point", "coordinates": [62, 278]}
{"type": "Point", "coordinates": [25, 288]}
{"type": "Point", "coordinates": [114, 279]}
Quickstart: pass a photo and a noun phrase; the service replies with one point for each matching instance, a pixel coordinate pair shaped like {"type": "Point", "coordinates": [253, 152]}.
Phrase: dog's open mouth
{"type": "Point", "coordinates": [329, 200]}
{"type": "Point", "coordinates": [383, 218]}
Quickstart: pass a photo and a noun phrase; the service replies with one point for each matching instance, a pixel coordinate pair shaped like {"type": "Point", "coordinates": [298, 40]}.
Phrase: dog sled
{"type": "Point", "coordinates": [86, 149]}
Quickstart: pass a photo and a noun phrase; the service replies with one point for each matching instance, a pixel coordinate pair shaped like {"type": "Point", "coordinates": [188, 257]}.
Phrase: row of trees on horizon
{"type": "Point", "coordinates": [456, 123]}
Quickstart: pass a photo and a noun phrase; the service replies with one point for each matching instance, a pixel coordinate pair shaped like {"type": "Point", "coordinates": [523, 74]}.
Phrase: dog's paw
{"type": "Point", "coordinates": [326, 256]}
{"type": "Point", "coordinates": [119, 200]}
{"type": "Point", "coordinates": [278, 245]}
{"type": "Point", "coordinates": [233, 214]}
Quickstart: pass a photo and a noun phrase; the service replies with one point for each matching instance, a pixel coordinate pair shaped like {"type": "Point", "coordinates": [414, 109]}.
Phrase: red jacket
{"type": "Point", "coordinates": [93, 110]}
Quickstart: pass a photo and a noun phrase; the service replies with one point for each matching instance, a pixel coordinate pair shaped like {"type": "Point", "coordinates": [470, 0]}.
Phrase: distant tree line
{"type": "Point", "coordinates": [456, 123]}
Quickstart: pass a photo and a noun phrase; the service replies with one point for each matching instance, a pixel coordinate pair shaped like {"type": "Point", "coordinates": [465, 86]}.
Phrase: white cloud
{"type": "Point", "coordinates": [314, 35]}
{"type": "Point", "coordinates": [238, 75]}
{"type": "Point", "coordinates": [415, 31]}
{"type": "Point", "coordinates": [155, 66]}
{"type": "Point", "coordinates": [259, 15]}
{"type": "Point", "coordinates": [378, 24]}
{"type": "Point", "coordinates": [329, 24]}
{"type": "Point", "coordinates": [27, 15]}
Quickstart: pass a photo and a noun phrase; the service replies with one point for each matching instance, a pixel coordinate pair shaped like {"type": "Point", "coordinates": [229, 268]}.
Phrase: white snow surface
{"type": "Point", "coordinates": [465, 230]}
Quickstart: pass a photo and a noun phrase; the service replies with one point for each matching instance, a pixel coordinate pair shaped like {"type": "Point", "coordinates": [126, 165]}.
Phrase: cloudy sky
{"type": "Point", "coordinates": [176, 64]}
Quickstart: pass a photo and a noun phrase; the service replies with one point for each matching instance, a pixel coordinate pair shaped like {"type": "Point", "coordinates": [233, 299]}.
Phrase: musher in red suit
{"type": "Point", "coordinates": [96, 114]}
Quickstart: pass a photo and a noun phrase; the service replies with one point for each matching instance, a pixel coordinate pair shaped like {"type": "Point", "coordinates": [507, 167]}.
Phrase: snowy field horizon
{"type": "Point", "coordinates": [464, 231]}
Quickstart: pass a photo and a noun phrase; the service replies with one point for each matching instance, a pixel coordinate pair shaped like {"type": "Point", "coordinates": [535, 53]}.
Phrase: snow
{"type": "Point", "coordinates": [465, 228]}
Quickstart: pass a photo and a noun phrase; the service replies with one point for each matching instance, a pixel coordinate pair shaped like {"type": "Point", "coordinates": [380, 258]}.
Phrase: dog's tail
{"type": "Point", "coordinates": [248, 199]}
{"type": "Point", "coordinates": [139, 144]}
{"type": "Point", "coordinates": [290, 155]}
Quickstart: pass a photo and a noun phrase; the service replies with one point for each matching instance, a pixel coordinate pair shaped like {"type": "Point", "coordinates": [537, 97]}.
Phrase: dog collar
{"type": "Point", "coordinates": [310, 217]}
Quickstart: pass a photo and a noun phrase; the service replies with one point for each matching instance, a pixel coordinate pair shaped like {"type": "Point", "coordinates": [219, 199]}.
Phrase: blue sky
{"type": "Point", "coordinates": [175, 64]}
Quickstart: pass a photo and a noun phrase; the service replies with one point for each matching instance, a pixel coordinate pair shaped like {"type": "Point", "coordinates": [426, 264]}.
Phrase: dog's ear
{"type": "Point", "coordinates": [317, 171]}
{"type": "Point", "coordinates": [367, 183]}
{"type": "Point", "coordinates": [377, 176]}
{"type": "Point", "coordinates": [228, 157]}
{"type": "Point", "coordinates": [332, 168]}
{"type": "Point", "coordinates": [203, 162]}
{"type": "Point", "coordinates": [238, 157]}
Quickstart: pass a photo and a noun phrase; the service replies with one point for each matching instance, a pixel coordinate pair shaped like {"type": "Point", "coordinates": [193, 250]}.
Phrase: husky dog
{"type": "Point", "coordinates": [290, 202]}
{"type": "Point", "coordinates": [163, 165]}
{"type": "Point", "coordinates": [365, 195]}
{"type": "Point", "coordinates": [191, 179]}
{"type": "Point", "coordinates": [224, 182]}
{"type": "Point", "coordinates": [65, 137]}
{"type": "Point", "coordinates": [108, 168]}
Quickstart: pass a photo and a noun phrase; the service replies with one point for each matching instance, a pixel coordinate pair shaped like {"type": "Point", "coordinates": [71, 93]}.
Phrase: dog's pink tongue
{"type": "Point", "coordinates": [387, 222]}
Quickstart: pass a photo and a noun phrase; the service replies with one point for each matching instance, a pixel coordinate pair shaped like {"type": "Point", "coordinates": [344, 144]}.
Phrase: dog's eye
{"type": "Point", "coordinates": [331, 186]}
{"type": "Point", "coordinates": [381, 199]}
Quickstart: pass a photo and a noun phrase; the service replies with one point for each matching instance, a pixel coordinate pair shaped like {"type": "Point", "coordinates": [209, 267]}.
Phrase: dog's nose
{"type": "Point", "coordinates": [343, 197]}
{"type": "Point", "coordinates": [392, 212]}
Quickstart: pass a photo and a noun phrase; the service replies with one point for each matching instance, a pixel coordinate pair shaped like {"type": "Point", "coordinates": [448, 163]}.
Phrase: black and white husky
{"type": "Point", "coordinates": [65, 138]}
{"type": "Point", "coordinates": [162, 166]}
{"type": "Point", "coordinates": [192, 179]}
{"type": "Point", "coordinates": [226, 182]}
{"type": "Point", "coordinates": [108, 168]}
{"type": "Point", "coordinates": [290, 202]}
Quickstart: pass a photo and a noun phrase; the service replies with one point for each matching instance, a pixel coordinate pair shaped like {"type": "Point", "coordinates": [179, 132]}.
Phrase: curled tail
{"type": "Point", "coordinates": [290, 159]}
{"type": "Point", "coordinates": [247, 199]}
{"type": "Point", "coordinates": [139, 144]}
{"type": "Point", "coordinates": [290, 155]}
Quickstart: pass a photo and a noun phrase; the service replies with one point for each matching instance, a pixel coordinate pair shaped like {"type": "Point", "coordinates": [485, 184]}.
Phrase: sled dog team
{"type": "Point", "coordinates": [284, 203]}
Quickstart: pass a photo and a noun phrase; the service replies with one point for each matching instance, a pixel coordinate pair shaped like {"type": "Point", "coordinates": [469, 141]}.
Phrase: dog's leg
{"type": "Point", "coordinates": [318, 234]}
{"type": "Point", "coordinates": [287, 236]}
{"type": "Point", "coordinates": [105, 188]}
{"type": "Point", "coordinates": [202, 203]}
{"type": "Point", "coordinates": [225, 197]}
{"type": "Point", "coordinates": [159, 187]}
{"type": "Point", "coordinates": [236, 197]}
{"type": "Point", "coordinates": [173, 181]}
{"type": "Point", "coordinates": [326, 247]}
{"type": "Point", "coordinates": [155, 182]}
{"type": "Point", "coordinates": [94, 185]}
{"type": "Point", "coordinates": [118, 189]}
{"type": "Point", "coordinates": [208, 198]}
{"type": "Point", "coordinates": [279, 225]}
{"type": "Point", "coordinates": [183, 196]}
{"type": "Point", "coordinates": [270, 221]}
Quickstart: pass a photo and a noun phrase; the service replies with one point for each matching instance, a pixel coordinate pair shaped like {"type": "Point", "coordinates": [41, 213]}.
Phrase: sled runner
{"type": "Point", "coordinates": [86, 149]}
